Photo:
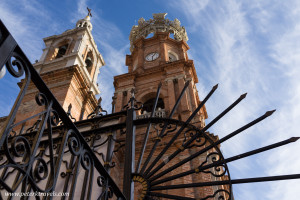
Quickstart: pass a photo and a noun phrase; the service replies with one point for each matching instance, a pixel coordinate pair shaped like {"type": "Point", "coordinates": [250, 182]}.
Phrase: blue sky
{"type": "Point", "coordinates": [245, 46]}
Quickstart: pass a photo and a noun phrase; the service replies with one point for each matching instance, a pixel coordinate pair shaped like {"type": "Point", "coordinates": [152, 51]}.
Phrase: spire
{"type": "Point", "coordinates": [86, 22]}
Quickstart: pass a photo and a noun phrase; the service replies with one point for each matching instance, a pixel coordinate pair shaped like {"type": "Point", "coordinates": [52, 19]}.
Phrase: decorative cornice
{"type": "Point", "coordinates": [157, 24]}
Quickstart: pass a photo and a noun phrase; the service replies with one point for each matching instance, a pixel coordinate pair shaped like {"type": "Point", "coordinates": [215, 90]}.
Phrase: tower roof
{"type": "Point", "coordinates": [157, 24]}
{"type": "Point", "coordinates": [85, 22]}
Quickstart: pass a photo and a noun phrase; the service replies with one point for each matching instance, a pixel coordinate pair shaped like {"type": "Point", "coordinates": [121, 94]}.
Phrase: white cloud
{"type": "Point", "coordinates": [27, 22]}
{"type": "Point", "coordinates": [23, 28]}
{"type": "Point", "coordinates": [255, 49]}
{"type": "Point", "coordinates": [81, 7]}
{"type": "Point", "coordinates": [286, 52]}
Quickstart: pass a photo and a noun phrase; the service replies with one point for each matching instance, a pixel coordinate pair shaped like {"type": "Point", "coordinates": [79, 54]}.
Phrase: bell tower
{"type": "Point", "coordinates": [70, 66]}
{"type": "Point", "coordinates": [158, 56]}
{"type": "Point", "coordinates": [161, 58]}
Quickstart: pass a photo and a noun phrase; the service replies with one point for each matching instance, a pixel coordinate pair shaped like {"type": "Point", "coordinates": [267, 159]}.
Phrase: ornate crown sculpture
{"type": "Point", "coordinates": [157, 24]}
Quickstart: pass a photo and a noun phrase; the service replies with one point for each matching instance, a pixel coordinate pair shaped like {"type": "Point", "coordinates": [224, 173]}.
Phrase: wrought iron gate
{"type": "Point", "coordinates": [53, 154]}
{"type": "Point", "coordinates": [32, 161]}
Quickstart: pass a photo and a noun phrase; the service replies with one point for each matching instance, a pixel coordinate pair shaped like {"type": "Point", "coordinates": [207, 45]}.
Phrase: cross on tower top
{"type": "Point", "coordinates": [89, 11]}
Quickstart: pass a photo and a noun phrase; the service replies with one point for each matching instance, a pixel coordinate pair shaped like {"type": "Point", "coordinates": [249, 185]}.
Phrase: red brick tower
{"type": "Point", "coordinates": [70, 66]}
{"type": "Point", "coordinates": [163, 59]}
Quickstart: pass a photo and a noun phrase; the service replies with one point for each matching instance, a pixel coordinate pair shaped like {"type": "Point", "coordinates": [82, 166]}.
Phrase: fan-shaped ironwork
{"type": "Point", "coordinates": [188, 157]}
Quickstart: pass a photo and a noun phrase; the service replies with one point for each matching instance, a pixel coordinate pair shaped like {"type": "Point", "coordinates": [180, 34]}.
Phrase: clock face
{"type": "Point", "coordinates": [152, 56]}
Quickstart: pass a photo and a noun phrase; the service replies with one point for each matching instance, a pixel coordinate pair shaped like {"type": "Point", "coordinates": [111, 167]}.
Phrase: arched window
{"type": "Point", "coordinates": [172, 57]}
{"type": "Point", "coordinates": [150, 35]}
{"type": "Point", "coordinates": [148, 105]}
{"type": "Point", "coordinates": [172, 36]}
{"type": "Point", "coordinates": [62, 51]}
{"type": "Point", "coordinates": [89, 61]}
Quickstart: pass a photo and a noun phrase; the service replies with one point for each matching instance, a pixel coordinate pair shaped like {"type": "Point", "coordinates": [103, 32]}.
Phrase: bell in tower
{"type": "Point", "coordinates": [62, 51]}
{"type": "Point", "coordinates": [89, 61]}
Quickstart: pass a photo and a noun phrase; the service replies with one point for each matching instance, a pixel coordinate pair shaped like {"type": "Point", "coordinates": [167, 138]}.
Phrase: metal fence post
{"type": "Point", "coordinates": [128, 185]}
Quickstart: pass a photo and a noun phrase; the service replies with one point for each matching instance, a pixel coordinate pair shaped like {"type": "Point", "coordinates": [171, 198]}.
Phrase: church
{"type": "Point", "coordinates": [58, 142]}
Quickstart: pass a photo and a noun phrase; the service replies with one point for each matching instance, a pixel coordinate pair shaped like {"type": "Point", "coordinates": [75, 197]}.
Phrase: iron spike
{"type": "Point", "coordinates": [243, 96]}
{"type": "Point", "coordinates": [215, 87]}
{"type": "Point", "coordinates": [269, 113]}
{"type": "Point", "coordinates": [294, 139]}
{"type": "Point", "coordinates": [160, 84]}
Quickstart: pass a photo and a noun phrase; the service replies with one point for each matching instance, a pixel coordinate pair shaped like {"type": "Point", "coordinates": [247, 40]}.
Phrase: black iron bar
{"type": "Point", "coordinates": [13, 112]}
{"type": "Point", "coordinates": [85, 187]}
{"type": "Point", "coordinates": [195, 137]}
{"type": "Point", "coordinates": [4, 173]}
{"type": "Point", "coordinates": [128, 184]}
{"type": "Point", "coordinates": [110, 149]}
{"type": "Point", "coordinates": [267, 178]}
{"type": "Point", "coordinates": [109, 155]}
{"type": "Point", "coordinates": [27, 119]}
{"type": "Point", "coordinates": [75, 173]}
{"type": "Point", "coordinates": [164, 128]}
{"type": "Point", "coordinates": [68, 174]}
{"type": "Point", "coordinates": [169, 196]}
{"type": "Point", "coordinates": [267, 114]}
{"type": "Point", "coordinates": [148, 130]}
{"type": "Point", "coordinates": [6, 48]}
{"type": "Point", "coordinates": [5, 186]}
{"type": "Point", "coordinates": [227, 182]}
{"type": "Point", "coordinates": [179, 131]}
{"type": "Point", "coordinates": [220, 162]}
{"type": "Point", "coordinates": [51, 153]}
{"type": "Point", "coordinates": [90, 186]}
{"type": "Point", "coordinates": [179, 98]}
{"type": "Point", "coordinates": [89, 175]}
{"type": "Point", "coordinates": [262, 149]}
